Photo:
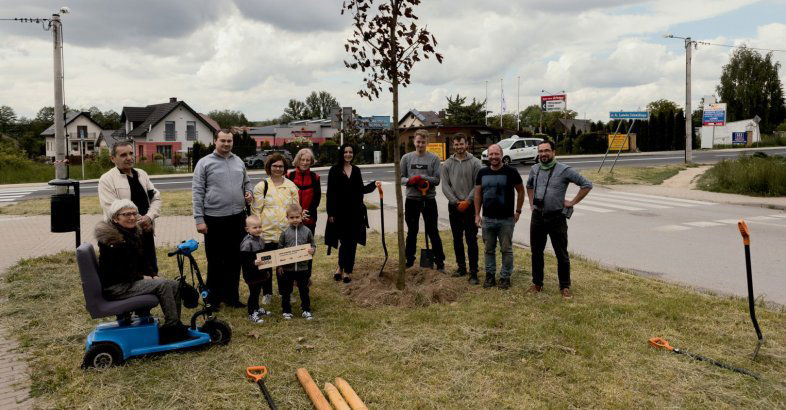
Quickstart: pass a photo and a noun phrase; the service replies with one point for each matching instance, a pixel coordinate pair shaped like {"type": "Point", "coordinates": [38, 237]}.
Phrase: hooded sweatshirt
{"type": "Point", "coordinates": [458, 178]}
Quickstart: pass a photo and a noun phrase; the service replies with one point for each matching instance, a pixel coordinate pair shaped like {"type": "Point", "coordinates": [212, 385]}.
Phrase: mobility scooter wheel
{"type": "Point", "coordinates": [103, 355]}
{"type": "Point", "coordinates": [219, 331]}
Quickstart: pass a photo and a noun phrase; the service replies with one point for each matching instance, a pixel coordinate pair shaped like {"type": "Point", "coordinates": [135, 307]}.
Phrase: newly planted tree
{"type": "Point", "coordinates": [386, 43]}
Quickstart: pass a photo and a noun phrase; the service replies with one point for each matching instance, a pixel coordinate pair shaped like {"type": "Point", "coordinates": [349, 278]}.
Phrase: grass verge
{"type": "Point", "coordinates": [633, 175]}
{"type": "Point", "coordinates": [489, 349]}
{"type": "Point", "coordinates": [30, 171]}
{"type": "Point", "coordinates": [177, 203]}
{"type": "Point", "coordinates": [748, 175]}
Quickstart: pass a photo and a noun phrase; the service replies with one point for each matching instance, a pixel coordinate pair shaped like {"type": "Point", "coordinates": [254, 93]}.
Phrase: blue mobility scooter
{"type": "Point", "coordinates": [112, 343]}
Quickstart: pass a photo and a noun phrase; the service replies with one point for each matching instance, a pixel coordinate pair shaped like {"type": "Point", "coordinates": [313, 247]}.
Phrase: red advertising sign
{"type": "Point", "coordinates": [556, 102]}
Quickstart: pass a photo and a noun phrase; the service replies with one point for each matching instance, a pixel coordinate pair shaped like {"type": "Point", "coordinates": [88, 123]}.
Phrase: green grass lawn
{"type": "Point", "coordinates": [488, 349]}
{"type": "Point", "coordinates": [633, 175]}
{"type": "Point", "coordinates": [748, 175]}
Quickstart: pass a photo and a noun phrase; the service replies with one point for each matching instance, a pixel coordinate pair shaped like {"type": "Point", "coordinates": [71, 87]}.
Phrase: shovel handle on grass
{"type": "Point", "coordinates": [256, 373]}
{"type": "Point", "coordinates": [658, 342]}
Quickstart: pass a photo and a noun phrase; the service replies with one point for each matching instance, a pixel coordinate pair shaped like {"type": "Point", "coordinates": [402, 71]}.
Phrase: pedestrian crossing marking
{"type": "Point", "coordinates": [761, 218]}
{"type": "Point", "coordinates": [672, 228]}
{"type": "Point", "coordinates": [585, 207]}
{"type": "Point", "coordinates": [630, 202]}
{"type": "Point", "coordinates": [687, 201]}
{"type": "Point", "coordinates": [703, 224]}
{"type": "Point", "coordinates": [778, 216]}
{"type": "Point", "coordinates": [727, 221]}
{"type": "Point", "coordinates": [616, 206]}
{"type": "Point", "coordinates": [662, 201]}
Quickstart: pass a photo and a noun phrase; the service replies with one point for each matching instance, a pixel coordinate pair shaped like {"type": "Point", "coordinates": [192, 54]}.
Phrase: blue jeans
{"type": "Point", "coordinates": [498, 230]}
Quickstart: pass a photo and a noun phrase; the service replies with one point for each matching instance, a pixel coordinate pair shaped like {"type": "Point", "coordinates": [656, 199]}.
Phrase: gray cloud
{"type": "Point", "coordinates": [296, 16]}
{"type": "Point", "coordinates": [117, 24]}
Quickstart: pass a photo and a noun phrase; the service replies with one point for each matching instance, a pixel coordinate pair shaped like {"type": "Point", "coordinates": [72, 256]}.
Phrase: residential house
{"type": "Point", "coordinates": [166, 129]}
{"type": "Point", "coordinates": [317, 131]}
{"type": "Point", "coordinates": [79, 128]}
{"type": "Point", "coordinates": [480, 136]}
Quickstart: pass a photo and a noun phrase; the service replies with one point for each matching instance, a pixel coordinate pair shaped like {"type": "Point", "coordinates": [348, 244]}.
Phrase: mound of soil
{"type": "Point", "coordinates": [423, 286]}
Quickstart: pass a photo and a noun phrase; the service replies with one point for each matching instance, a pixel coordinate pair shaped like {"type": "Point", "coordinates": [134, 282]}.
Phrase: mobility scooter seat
{"type": "Point", "coordinates": [95, 302]}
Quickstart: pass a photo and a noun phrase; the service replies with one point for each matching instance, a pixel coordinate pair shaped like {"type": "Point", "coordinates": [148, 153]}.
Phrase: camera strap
{"type": "Point", "coordinates": [537, 177]}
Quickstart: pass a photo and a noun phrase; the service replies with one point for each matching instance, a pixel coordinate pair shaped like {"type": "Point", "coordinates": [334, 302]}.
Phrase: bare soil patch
{"type": "Point", "coordinates": [424, 286]}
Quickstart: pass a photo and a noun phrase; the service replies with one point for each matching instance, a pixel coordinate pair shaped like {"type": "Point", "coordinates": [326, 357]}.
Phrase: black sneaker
{"type": "Point", "coordinates": [504, 283]}
{"type": "Point", "coordinates": [459, 272]}
{"type": "Point", "coordinates": [441, 267]}
{"type": "Point", "coordinates": [173, 334]}
{"type": "Point", "coordinates": [490, 282]}
{"type": "Point", "coordinates": [410, 263]}
{"type": "Point", "coordinates": [473, 279]}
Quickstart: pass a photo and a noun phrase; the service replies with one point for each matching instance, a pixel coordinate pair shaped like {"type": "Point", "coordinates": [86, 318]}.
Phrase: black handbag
{"type": "Point", "coordinates": [188, 294]}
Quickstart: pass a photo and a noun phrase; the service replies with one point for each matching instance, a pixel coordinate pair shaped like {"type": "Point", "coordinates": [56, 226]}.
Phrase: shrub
{"type": "Point", "coordinates": [328, 153]}
{"type": "Point", "coordinates": [757, 175]}
{"type": "Point", "coordinates": [590, 143]}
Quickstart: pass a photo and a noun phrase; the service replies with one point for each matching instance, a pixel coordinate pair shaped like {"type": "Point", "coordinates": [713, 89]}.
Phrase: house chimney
{"type": "Point", "coordinates": [172, 99]}
{"type": "Point", "coordinates": [441, 114]}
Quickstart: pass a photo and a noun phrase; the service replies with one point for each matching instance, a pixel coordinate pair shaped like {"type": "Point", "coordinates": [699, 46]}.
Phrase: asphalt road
{"type": "Point", "coordinates": [178, 182]}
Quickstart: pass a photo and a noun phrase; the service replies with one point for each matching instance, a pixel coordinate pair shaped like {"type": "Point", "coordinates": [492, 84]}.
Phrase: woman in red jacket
{"type": "Point", "coordinates": [308, 184]}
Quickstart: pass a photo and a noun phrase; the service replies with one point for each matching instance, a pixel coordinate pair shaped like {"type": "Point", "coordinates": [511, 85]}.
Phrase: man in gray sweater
{"type": "Point", "coordinates": [221, 189]}
{"type": "Point", "coordinates": [420, 173]}
{"type": "Point", "coordinates": [458, 184]}
{"type": "Point", "coordinates": [546, 187]}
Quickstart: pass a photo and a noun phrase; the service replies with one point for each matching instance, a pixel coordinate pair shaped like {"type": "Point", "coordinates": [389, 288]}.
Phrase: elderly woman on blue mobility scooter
{"type": "Point", "coordinates": [125, 271]}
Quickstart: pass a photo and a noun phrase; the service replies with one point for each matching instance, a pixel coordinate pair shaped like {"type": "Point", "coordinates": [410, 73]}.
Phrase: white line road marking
{"type": "Point", "coordinates": [672, 228]}
{"type": "Point", "coordinates": [585, 207]}
{"type": "Point", "coordinates": [663, 201]}
{"type": "Point", "coordinates": [761, 218]}
{"type": "Point", "coordinates": [727, 221]}
{"type": "Point", "coordinates": [12, 219]}
{"type": "Point", "coordinates": [640, 202]}
{"type": "Point", "coordinates": [8, 199]}
{"type": "Point", "coordinates": [778, 216]}
{"type": "Point", "coordinates": [610, 205]}
{"type": "Point", "coordinates": [687, 201]}
{"type": "Point", "coordinates": [621, 160]}
{"type": "Point", "coordinates": [703, 224]}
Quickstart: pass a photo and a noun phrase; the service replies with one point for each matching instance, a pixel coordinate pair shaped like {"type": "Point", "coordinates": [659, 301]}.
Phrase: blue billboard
{"type": "Point", "coordinates": [629, 115]}
{"type": "Point", "coordinates": [739, 137]}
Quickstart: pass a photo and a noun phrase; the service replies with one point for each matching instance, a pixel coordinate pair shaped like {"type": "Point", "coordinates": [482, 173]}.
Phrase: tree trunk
{"type": "Point", "coordinates": [400, 279]}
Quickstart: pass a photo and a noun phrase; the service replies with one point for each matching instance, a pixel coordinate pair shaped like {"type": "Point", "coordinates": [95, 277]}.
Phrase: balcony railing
{"type": "Point", "coordinates": [191, 135]}
{"type": "Point", "coordinates": [170, 135]}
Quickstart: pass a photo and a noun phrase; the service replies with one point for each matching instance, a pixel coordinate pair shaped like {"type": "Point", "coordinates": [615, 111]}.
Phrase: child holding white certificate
{"type": "Point", "coordinates": [299, 272]}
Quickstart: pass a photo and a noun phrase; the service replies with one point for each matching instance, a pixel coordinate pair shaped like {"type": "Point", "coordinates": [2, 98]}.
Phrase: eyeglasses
{"type": "Point", "coordinates": [129, 214]}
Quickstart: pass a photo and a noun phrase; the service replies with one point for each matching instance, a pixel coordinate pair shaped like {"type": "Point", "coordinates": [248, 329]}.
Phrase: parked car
{"type": "Point", "coordinates": [516, 149]}
{"type": "Point", "coordinates": [258, 160]}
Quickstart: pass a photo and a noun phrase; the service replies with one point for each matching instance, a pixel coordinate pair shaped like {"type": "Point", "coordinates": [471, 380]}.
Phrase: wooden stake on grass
{"type": "Point", "coordinates": [335, 397]}
{"type": "Point", "coordinates": [349, 395]}
{"type": "Point", "coordinates": [317, 398]}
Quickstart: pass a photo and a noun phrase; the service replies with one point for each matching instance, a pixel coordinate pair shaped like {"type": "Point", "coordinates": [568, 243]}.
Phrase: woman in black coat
{"type": "Point", "coordinates": [347, 216]}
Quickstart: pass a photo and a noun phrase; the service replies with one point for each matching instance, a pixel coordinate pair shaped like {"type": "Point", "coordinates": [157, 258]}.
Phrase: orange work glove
{"type": "Point", "coordinates": [414, 180]}
{"type": "Point", "coordinates": [462, 206]}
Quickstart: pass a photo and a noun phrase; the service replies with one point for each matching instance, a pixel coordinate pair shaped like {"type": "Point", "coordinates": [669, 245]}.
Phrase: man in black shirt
{"type": "Point", "coordinates": [494, 191]}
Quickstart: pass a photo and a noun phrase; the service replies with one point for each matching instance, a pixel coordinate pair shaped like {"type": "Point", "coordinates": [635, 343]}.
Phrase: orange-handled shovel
{"type": "Point", "coordinates": [746, 241]}
{"type": "Point", "coordinates": [258, 374]}
{"type": "Point", "coordinates": [660, 343]}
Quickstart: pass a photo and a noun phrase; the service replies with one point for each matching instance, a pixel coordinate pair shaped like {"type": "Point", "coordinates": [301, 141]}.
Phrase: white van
{"type": "Point", "coordinates": [516, 149]}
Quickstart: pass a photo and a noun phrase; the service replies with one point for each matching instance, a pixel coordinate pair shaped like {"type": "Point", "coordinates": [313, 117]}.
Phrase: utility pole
{"type": "Point", "coordinates": [518, 101]}
{"type": "Point", "coordinates": [485, 104]}
{"type": "Point", "coordinates": [61, 166]}
{"type": "Point", "coordinates": [688, 112]}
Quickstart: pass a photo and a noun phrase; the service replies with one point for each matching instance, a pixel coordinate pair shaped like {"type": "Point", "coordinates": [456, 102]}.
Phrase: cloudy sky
{"type": "Point", "coordinates": [254, 55]}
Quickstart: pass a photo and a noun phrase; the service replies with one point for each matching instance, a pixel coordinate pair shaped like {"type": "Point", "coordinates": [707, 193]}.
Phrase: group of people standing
{"type": "Point", "coordinates": [491, 199]}
{"type": "Point", "coordinates": [239, 219]}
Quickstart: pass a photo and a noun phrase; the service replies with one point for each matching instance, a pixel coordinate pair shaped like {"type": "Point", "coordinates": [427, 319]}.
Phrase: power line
{"type": "Point", "coordinates": [707, 43]}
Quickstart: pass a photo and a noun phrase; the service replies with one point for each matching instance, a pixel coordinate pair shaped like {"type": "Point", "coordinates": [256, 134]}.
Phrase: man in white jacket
{"type": "Point", "coordinates": [126, 182]}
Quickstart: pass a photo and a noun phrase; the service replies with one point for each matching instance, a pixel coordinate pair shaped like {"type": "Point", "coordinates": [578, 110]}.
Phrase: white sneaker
{"type": "Point", "coordinates": [262, 312]}
{"type": "Point", "coordinates": [287, 316]}
{"type": "Point", "coordinates": [256, 318]}
{"type": "Point", "coordinates": [266, 299]}
{"type": "Point", "coordinates": [292, 299]}
{"type": "Point", "coordinates": [307, 315]}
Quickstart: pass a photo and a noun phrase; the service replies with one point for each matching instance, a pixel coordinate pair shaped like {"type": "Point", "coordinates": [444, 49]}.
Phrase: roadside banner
{"type": "Point", "coordinates": [618, 142]}
{"type": "Point", "coordinates": [552, 103]}
{"type": "Point", "coordinates": [714, 114]}
{"type": "Point", "coordinates": [437, 148]}
{"type": "Point", "coordinates": [629, 115]}
{"type": "Point", "coordinates": [739, 137]}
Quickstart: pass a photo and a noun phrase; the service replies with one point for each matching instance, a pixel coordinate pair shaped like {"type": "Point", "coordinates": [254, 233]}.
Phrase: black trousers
{"type": "Point", "coordinates": [413, 208]}
{"type": "Point", "coordinates": [555, 226]}
{"type": "Point", "coordinates": [267, 284]}
{"type": "Point", "coordinates": [254, 290]}
{"type": "Point", "coordinates": [462, 224]}
{"type": "Point", "coordinates": [222, 248]}
{"type": "Point", "coordinates": [286, 283]}
{"type": "Point", "coordinates": [346, 254]}
{"type": "Point", "coordinates": [149, 246]}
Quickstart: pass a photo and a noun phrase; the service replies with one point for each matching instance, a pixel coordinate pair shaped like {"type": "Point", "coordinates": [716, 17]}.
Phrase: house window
{"type": "Point", "coordinates": [191, 131]}
{"type": "Point", "coordinates": [81, 131]}
{"type": "Point", "coordinates": [169, 131]}
{"type": "Point", "coordinates": [165, 151]}
{"type": "Point", "coordinates": [90, 146]}
{"type": "Point", "coordinates": [74, 146]}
